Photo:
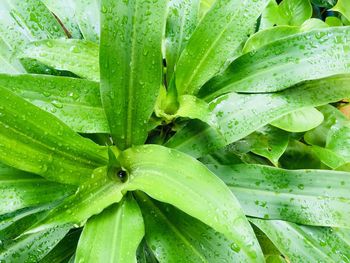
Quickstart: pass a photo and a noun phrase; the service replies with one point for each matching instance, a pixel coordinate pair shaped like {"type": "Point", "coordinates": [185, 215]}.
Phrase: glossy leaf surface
{"type": "Point", "coordinates": [113, 235]}
{"type": "Point", "coordinates": [77, 56]}
{"type": "Point", "coordinates": [192, 188]}
{"type": "Point", "coordinates": [311, 197]}
{"type": "Point", "coordinates": [19, 190]}
{"type": "Point", "coordinates": [215, 41]}
{"type": "Point", "coordinates": [284, 63]}
{"type": "Point", "coordinates": [131, 66]}
{"type": "Point", "coordinates": [305, 244]}
{"type": "Point", "coordinates": [76, 102]}
{"type": "Point", "coordinates": [45, 146]}
{"type": "Point", "coordinates": [174, 236]}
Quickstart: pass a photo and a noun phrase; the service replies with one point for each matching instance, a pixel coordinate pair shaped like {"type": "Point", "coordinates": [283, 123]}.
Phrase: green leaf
{"type": "Point", "coordinates": [125, 51]}
{"type": "Point", "coordinates": [113, 235]}
{"type": "Point", "coordinates": [270, 16]}
{"type": "Point", "coordinates": [205, 5]}
{"type": "Point", "coordinates": [331, 139]}
{"type": "Point", "coordinates": [8, 64]}
{"type": "Point", "coordinates": [303, 243]}
{"type": "Point", "coordinates": [87, 13]}
{"type": "Point", "coordinates": [333, 21]}
{"type": "Point", "coordinates": [268, 142]}
{"type": "Point", "coordinates": [189, 106]}
{"type": "Point", "coordinates": [310, 197]}
{"type": "Point", "coordinates": [182, 20]}
{"type": "Point", "coordinates": [64, 250]}
{"type": "Point", "coordinates": [268, 36]}
{"type": "Point", "coordinates": [295, 12]}
{"type": "Point", "coordinates": [33, 247]}
{"type": "Point", "coordinates": [144, 254]}
{"type": "Point", "coordinates": [174, 236]}
{"type": "Point", "coordinates": [343, 6]}
{"type": "Point", "coordinates": [97, 193]}
{"type": "Point", "coordinates": [299, 156]}
{"type": "Point", "coordinates": [77, 56]}
{"type": "Point", "coordinates": [239, 115]}
{"type": "Point", "coordinates": [215, 41]}
{"type": "Point", "coordinates": [19, 189]}
{"type": "Point", "coordinates": [22, 21]}
{"type": "Point", "coordinates": [175, 178]}
{"type": "Point", "coordinates": [286, 62]}
{"type": "Point", "coordinates": [12, 225]}
{"type": "Point", "coordinates": [301, 120]}
{"type": "Point", "coordinates": [65, 11]}
{"type": "Point", "coordinates": [35, 141]}
{"type": "Point", "coordinates": [324, 3]}
{"type": "Point", "coordinates": [76, 102]}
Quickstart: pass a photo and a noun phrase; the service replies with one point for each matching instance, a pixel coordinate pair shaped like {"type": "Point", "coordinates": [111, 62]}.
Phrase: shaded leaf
{"type": "Point", "coordinates": [77, 56]}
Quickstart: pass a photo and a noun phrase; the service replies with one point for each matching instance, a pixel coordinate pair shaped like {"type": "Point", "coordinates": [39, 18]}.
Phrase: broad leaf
{"type": "Point", "coordinates": [8, 64]}
{"type": "Point", "coordinates": [64, 250]}
{"type": "Point", "coordinates": [77, 56]}
{"type": "Point", "coordinates": [295, 12]}
{"type": "Point", "coordinates": [215, 41]}
{"type": "Point", "coordinates": [35, 141]}
{"type": "Point", "coordinates": [311, 197]}
{"type": "Point", "coordinates": [19, 189]}
{"type": "Point", "coordinates": [301, 120]}
{"type": "Point", "coordinates": [76, 102]}
{"type": "Point", "coordinates": [241, 114]}
{"type": "Point", "coordinates": [285, 62]}
{"type": "Point", "coordinates": [299, 156]}
{"type": "Point", "coordinates": [113, 235]}
{"type": "Point", "coordinates": [304, 243]}
{"type": "Point", "coordinates": [343, 6]}
{"type": "Point", "coordinates": [174, 236]}
{"type": "Point", "coordinates": [131, 66]}
{"type": "Point", "coordinates": [88, 18]}
{"type": "Point", "coordinates": [182, 20]}
{"type": "Point", "coordinates": [22, 21]}
{"type": "Point", "coordinates": [175, 178]}
{"type": "Point", "coordinates": [33, 247]}
{"type": "Point", "coordinates": [268, 142]}
{"type": "Point", "coordinates": [90, 199]}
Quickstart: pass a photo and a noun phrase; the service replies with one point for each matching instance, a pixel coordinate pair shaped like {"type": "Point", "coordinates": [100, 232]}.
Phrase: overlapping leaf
{"type": "Point", "coordinates": [35, 141]}
{"type": "Point", "coordinates": [131, 66]}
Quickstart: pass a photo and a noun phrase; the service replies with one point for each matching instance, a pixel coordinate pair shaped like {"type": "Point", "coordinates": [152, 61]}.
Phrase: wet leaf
{"type": "Point", "coordinates": [131, 37]}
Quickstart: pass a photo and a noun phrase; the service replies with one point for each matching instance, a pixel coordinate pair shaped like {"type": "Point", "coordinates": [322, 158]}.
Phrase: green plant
{"type": "Point", "coordinates": [174, 131]}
